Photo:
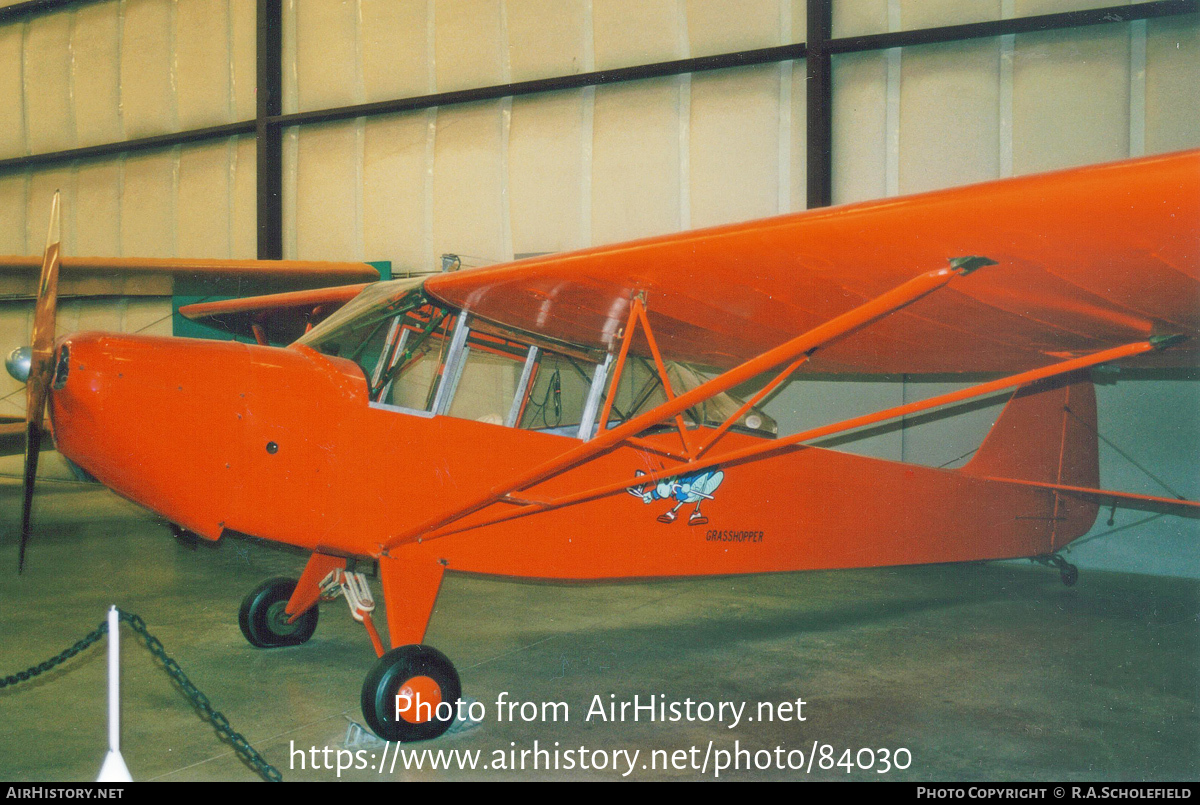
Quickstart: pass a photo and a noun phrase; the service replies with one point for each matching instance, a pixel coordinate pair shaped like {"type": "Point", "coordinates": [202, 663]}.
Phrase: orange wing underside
{"type": "Point", "coordinates": [1087, 259]}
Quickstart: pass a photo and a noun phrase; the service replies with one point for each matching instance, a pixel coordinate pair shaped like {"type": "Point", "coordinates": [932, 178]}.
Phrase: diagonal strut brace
{"type": "Point", "coordinates": [756, 451]}
{"type": "Point", "coordinates": [804, 344]}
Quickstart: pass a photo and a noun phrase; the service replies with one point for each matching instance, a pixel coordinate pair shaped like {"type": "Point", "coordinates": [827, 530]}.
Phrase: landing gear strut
{"type": "Point", "coordinates": [264, 620]}
{"type": "Point", "coordinates": [412, 692]}
{"type": "Point", "coordinates": [1067, 571]}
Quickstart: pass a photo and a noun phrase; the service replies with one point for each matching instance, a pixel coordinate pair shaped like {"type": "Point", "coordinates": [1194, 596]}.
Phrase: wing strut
{"type": "Point", "coordinates": [790, 351]}
{"type": "Point", "coordinates": [757, 451]}
{"type": "Point", "coordinates": [1118, 498]}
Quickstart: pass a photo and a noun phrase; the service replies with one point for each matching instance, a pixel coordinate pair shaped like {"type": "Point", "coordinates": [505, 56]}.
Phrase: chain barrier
{"type": "Point", "coordinates": [203, 706]}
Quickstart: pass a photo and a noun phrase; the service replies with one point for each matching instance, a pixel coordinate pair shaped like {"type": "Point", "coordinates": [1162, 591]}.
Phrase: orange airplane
{"type": "Point", "coordinates": [542, 419]}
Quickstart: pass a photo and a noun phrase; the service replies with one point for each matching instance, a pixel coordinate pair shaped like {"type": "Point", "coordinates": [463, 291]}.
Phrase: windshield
{"type": "Point", "coordinates": [346, 332]}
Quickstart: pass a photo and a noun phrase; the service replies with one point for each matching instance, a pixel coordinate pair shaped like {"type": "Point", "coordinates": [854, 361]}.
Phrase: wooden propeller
{"type": "Point", "coordinates": [41, 368]}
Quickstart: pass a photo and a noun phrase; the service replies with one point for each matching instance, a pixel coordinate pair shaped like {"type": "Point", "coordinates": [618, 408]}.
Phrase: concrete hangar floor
{"type": "Point", "coordinates": [965, 672]}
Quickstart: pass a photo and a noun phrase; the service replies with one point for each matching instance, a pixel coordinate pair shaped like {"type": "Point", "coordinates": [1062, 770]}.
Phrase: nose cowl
{"type": "Point", "coordinates": [158, 420]}
{"type": "Point", "coordinates": [211, 435]}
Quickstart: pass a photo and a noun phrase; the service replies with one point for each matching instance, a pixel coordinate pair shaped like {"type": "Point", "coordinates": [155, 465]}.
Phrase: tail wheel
{"type": "Point", "coordinates": [1069, 573]}
{"type": "Point", "coordinates": [411, 694]}
{"type": "Point", "coordinates": [264, 620]}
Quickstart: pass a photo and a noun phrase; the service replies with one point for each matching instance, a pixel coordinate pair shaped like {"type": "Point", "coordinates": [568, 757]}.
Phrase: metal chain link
{"type": "Point", "coordinates": [37, 670]}
{"type": "Point", "coordinates": [215, 717]}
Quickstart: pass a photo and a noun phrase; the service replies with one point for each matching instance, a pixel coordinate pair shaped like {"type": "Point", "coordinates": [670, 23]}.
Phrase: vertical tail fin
{"type": "Point", "coordinates": [1047, 433]}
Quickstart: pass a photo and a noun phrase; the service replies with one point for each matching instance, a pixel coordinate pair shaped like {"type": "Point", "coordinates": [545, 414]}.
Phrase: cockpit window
{"type": "Point", "coordinates": [407, 371]}
{"type": "Point", "coordinates": [422, 358]}
{"type": "Point", "coordinates": [558, 393]}
{"type": "Point", "coordinates": [487, 380]}
{"type": "Point", "coordinates": [432, 361]}
{"type": "Point", "coordinates": [641, 389]}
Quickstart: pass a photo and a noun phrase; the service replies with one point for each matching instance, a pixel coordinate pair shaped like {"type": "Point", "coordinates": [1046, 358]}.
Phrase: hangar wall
{"type": "Point", "coordinates": [557, 171]}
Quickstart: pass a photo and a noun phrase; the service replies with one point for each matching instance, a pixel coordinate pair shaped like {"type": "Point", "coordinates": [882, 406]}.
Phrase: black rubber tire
{"type": "Point", "coordinates": [389, 675]}
{"type": "Point", "coordinates": [1070, 575]}
{"type": "Point", "coordinates": [264, 622]}
{"type": "Point", "coordinates": [184, 537]}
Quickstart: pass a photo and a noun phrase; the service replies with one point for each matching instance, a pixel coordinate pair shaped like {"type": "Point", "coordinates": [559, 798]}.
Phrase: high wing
{"type": "Point", "coordinates": [18, 274]}
{"type": "Point", "coordinates": [281, 317]}
{"type": "Point", "coordinates": [1085, 259]}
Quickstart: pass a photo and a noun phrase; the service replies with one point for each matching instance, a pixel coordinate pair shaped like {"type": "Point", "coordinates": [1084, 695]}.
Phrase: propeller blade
{"type": "Point", "coordinates": [47, 300]}
{"type": "Point", "coordinates": [41, 368]}
{"type": "Point", "coordinates": [33, 441]}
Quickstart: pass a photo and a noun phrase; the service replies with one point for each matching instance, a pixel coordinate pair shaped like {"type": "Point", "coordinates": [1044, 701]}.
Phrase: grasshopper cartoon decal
{"type": "Point", "coordinates": [694, 487]}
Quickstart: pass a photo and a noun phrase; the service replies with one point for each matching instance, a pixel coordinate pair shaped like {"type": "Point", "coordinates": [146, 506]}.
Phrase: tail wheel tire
{"type": "Point", "coordinates": [264, 620]}
{"type": "Point", "coordinates": [411, 694]}
{"type": "Point", "coordinates": [1070, 575]}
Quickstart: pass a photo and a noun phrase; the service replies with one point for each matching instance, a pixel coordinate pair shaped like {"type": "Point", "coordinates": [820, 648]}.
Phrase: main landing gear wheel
{"type": "Point", "coordinates": [402, 693]}
{"type": "Point", "coordinates": [263, 618]}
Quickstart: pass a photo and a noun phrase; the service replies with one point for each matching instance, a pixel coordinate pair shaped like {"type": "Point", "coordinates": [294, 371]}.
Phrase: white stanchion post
{"type": "Point", "coordinates": [114, 769]}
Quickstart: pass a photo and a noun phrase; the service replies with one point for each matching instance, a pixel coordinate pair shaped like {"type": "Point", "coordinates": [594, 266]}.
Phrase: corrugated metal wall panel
{"type": "Point", "coordinates": [949, 124]}
{"type": "Point", "coordinates": [1070, 98]}
{"type": "Point", "coordinates": [327, 71]}
{"type": "Point", "coordinates": [12, 213]}
{"type": "Point", "coordinates": [204, 60]}
{"type": "Point", "coordinates": [859, 17]}
{"type": "Point", "coordinates": [97, 190]}
{"type": "Point", "coordinates": [103, 72]}
{"type": "Point", "coordinates": [96, 46]}
{"type": "Point", "coordinates": [202, 205]}
{"type": "Point", "coordinates": [148, 100]}
{"type": "Point", "coordinates": [1172, 78]}
{"type": "Point", "coordinates": [916, 14]}
{"type": "Point", "coordinates": [48, 83]}
{"type": "Point", "coordinates": [395, 170]}
{"type": "Point", "coordinates": [546, 38]}
{"type": "Point", "coordinates": [724, 26]}
{"type": "Point", "coordinates": [859, 126]}
{"type": "Point", "coordinates": [326, 201]}
{"type": "Point", "coordinates": [468, 199]}
{"type": "Point", "coordinates": [394, 41]}
{"type": "Point", "coordinates": [12, 90]}
{"type": "Point", "coordinates": [546, 169]}
{"type": "Point", "coordinates": [635, 161]}
{"type": "Point", "coordinates": [471, 50]}
{"type": "Point", "coordinates": [148, 191]}
{"type": "Point", "coordinates": [631, 32]}
{"type": "Point", "coordinates": [734, 146]}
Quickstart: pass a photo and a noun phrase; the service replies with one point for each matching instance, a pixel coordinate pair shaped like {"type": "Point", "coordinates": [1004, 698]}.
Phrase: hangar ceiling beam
{"type": "Point", "coordinates": [31, 8]}
{"type": "Point", "coordinates": [819, 86]}
{"type": "Point", "coordinates": [268, 134]}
